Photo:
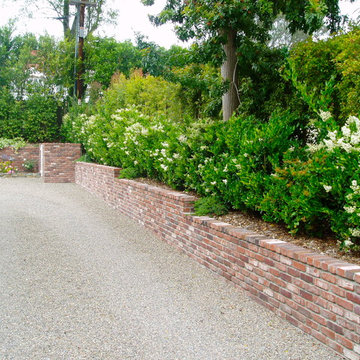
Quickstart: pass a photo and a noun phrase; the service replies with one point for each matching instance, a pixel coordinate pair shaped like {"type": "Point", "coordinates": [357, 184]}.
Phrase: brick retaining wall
{"type": "Point", "coordinates": [55, 161]}
{"type": "Point", "coordinates": [58, 162]}
{"type": "Point", "coordinates": [28, 152]}
{"type": "Point", "coordinates": [317, 293]}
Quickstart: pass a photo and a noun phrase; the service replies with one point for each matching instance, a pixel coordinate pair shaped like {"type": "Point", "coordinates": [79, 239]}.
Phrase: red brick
{"type": "Point", "coordinates": [353, 298]}
{"type": "Point", "coordinates": [336, 328]}
{"type": "Point", "coordinates": [344, 303]}
{"type": "Point", "coordinates": [299, 266]}
{"type": "Point", "coordinates": [329, 333]}
{"type": "Point", "coordinates": [322, 284]}
{"type": "Point", "coordinates": [343, 341]}
{"type": "Point", "coordinates": [329, 277]}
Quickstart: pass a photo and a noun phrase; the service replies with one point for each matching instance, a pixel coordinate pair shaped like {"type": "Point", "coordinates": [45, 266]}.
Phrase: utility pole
{"type": "Point", "coordinates": [79, 51]}
{"type": "Point", "coordinates": [80, 80]}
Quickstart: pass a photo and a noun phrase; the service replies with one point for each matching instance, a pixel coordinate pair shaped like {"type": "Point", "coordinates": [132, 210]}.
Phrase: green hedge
{"type": "Point", "coordinates": [35, 119]}
{"type": "Point", "coordinates": [243, 163]}
{"type": "Point", "coordinates": [336, 60]}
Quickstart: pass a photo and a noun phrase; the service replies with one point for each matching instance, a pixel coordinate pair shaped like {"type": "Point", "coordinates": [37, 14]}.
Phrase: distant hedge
{"type": "Point", "coordinates": [36, 119]}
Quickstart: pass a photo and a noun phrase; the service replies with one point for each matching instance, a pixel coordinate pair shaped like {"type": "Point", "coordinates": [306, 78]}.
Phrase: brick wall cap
{"type": "Point", "coordinates": [220, 225]}
{"type": "Point", "coordinates": [240, 233]}
{"type": "Point", "coordinates": [97, 165]}
{"type": "Point", "coordinates": [175, 195]}
{"type": "Point", "coordinates": [349, 271]}
{"type": "Point", "coordinates": [357, 277]}
{"type": "Point", "coordinates": [64, 144]}
{"type": "Point", "coordinates": [203, 220]}
{"type": "Point", "coordinates": [335, 265]}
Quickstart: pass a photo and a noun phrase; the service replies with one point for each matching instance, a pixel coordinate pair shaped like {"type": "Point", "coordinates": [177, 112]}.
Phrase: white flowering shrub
{"type": "Point", "coordinates": [317, 189]}
{"type": "Point", "coordinates": [242, 163]}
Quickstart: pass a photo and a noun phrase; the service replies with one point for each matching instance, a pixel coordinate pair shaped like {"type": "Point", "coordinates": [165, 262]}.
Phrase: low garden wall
{"type": "Point", "coordinates": [55, 161]}
{"type": "Point", "coordinates": [58, 162]}
{"type": "Point", "coordinates": [28, 153]}
{"type": "Point", "coordinates": [317, 293]}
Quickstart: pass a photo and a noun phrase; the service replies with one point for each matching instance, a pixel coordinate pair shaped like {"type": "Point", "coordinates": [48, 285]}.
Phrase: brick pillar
{"type": "Point", "coordinates": [58, 162]}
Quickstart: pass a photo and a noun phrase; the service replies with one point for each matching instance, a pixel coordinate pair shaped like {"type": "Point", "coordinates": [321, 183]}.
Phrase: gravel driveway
{"type": "Point", "coordinates": [80, 281]}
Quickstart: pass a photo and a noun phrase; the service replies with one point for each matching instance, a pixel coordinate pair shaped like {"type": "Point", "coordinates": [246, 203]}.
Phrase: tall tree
{"type": "Point", "coordinates": [224, 26]}
{"type": "Point", "coordinates": [62, 11]}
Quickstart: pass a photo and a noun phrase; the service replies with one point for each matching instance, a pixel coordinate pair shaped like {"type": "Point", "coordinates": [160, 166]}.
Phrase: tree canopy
{"type": "Point", "coordinates": [61, 11]}
{"type": "Point", "coordinates": [225, 28]}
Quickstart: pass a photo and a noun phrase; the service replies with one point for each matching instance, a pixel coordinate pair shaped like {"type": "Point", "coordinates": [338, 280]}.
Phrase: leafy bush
{"type": "Point", "coordinates": [320, 191]}
{"type": "Point", "coordinates": [35, 119]}
{"type": "Point", "coordinates": [210, 205]}
{"type": "Point", "coordinates": [303, 174]}
{"type": "Point", "coordinates": [84, 158]}
{"type": "Point", "coordinates": [40, 117]}
{"type": "Point", "coordinates": [129, 173]}
{"type": "Point", "coordinates": [15, 143]}
{"type": "Point", "coordinates": [154, 95]}
{"type": "Point", "coordinates": [315, 64]}
{"type": "Point", "coordinates": [29, 165]}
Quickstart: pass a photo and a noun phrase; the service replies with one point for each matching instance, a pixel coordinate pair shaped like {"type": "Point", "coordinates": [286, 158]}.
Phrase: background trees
{"type": "Point", "coordinates": [233, 24]}
{"type": "Point", "coordinates": [62, 11]}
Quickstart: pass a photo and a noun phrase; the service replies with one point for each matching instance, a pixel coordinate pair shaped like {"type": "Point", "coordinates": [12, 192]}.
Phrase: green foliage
{"type": "Point", "coordinates": [120, 57]}
{"type": "Point", "coordinates": [226, 31]}
{"type": "Point", "coordinates": [210, 205]}
{"type": "Point", "coordinates": [153, 57]}
{"type": "Point", "coordinates": [16, 143]}
{"type": "Point", "coordinates": [317, 190]}
{"type": "Point", "coordinates": [154, 95]}
{"type": "Point", "coordinates": [204, 18]}
{"type": "Point", "coordinates": [29, 165]}
{"type": "Point", "coordinates": [35, 119]}
{"type": "Point", "coordinates": [201, 88]}
{"type": "Point", "coordinates": [30, 106]}
{"type": "Point", "coordinates": [246, 164]}
{"type": "Point", "coordinates": [326, 74]}
{"type": "Point", "coordinates": [40, 118]}
{"type": "Point", "coordinates": [262, 90]}
{"type": "Point", "coordinates": [129, 173]}
{"type": "Point", "coordinates": [84, 158]}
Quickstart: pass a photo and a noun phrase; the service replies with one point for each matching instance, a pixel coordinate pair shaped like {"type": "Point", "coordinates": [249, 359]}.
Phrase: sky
{"type": "Point", "coordinates": [133, 17]}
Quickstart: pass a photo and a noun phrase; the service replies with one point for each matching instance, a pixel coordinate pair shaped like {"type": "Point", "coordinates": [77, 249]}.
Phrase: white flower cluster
{"type": "Point", "coordinates": [353, 210]}
{"type": "Point", "coordinates": [347, 139]}
{"type": "Point", "coordinates": [325, 115]}
{"type": "Point", "coordinates": [182, 138]}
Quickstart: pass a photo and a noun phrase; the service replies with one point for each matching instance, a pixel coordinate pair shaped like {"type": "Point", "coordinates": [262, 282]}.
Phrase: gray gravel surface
{"type": "Point", "coordinates": [80, 281]}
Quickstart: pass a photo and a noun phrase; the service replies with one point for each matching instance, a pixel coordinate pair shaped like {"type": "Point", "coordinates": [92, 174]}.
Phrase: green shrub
{"type": "Point", "coordinates": [15, 143]}
{"type": "Point", "coordinates": [35, 119]}
{"type": "Point", "coordinates": [29, 165]}
{"type": "Point", "coordinates": [40, 118]}
{"type": "Point", "coordinates": [84, 158]}
{"type": "Point", "coordinates": [335, 60]}
{"type": "Point", "coordinates": [304, 175]}
{"type": "Point", "coordinates": [129, 173]}
{"type": "Point", "coordinates": [210, 206]}
{"type": "Point", "coordinates": [153, 95]}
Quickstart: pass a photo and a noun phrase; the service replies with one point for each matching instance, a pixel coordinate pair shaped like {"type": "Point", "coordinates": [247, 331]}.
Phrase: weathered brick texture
{"type": "Point", "coordinates": [316, 293]}
{"type": "Point", "coordinates": [58, 162]}
{"type": "Point", "coordinates": [28, 152]}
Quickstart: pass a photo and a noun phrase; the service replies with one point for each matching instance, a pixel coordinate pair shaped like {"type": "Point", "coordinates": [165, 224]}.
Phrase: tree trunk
{"type": "Point", "coordinates": [65, 20]}
{"type": "Point", "coordinates": [230, 100]}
